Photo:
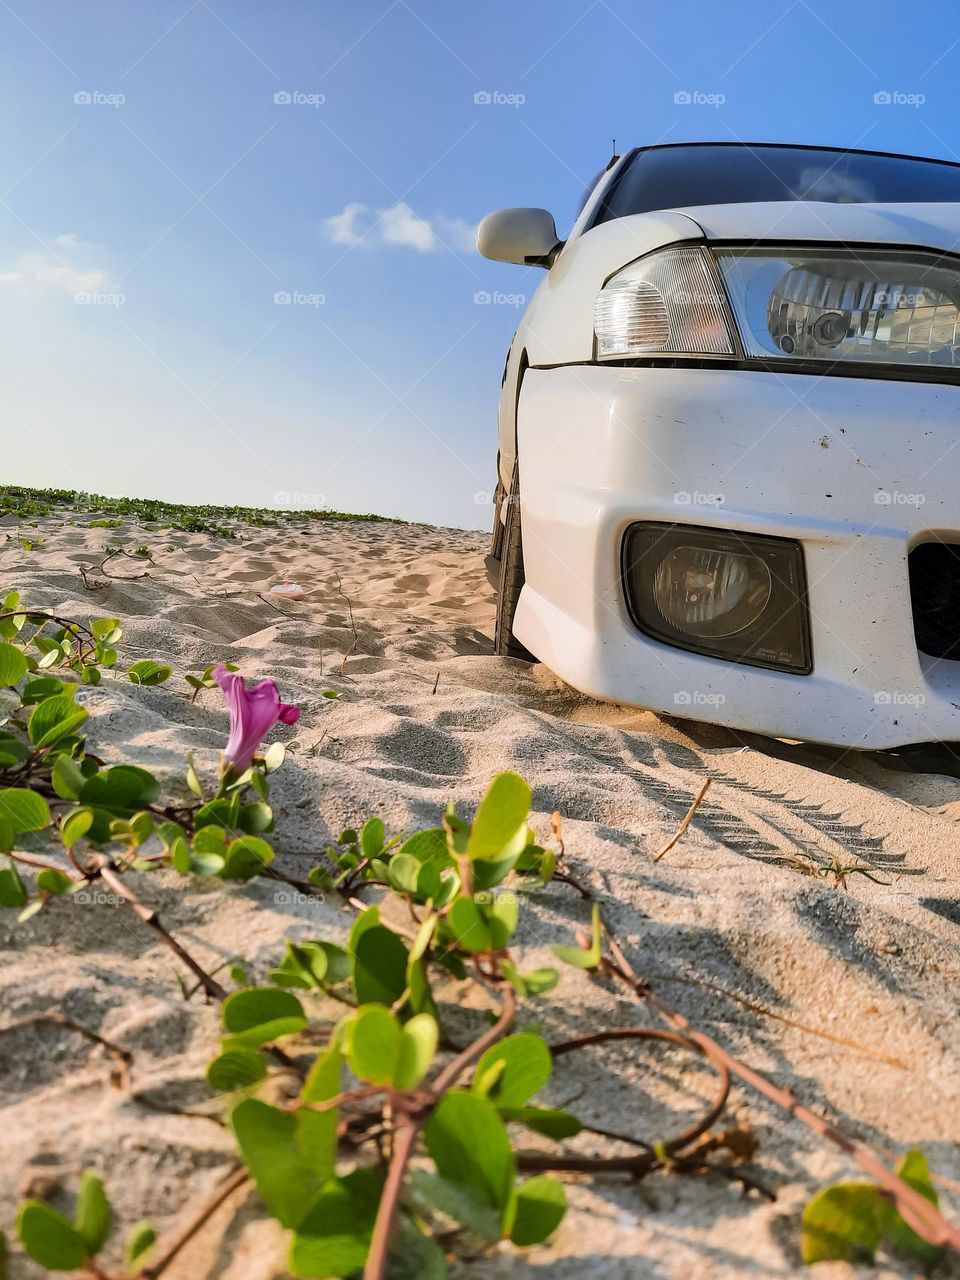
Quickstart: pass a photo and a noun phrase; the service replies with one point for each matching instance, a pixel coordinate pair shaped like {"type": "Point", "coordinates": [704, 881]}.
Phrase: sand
{"type": "Point", "coordinates": [730, 918]}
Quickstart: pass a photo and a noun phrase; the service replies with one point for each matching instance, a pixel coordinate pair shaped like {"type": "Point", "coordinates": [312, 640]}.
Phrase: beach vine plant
{"type": "Point", "coordinates": [389, 1147]}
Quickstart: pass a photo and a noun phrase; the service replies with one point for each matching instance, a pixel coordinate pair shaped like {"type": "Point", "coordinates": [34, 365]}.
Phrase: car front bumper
{"type": "Point", "coordinates": [858, 471]}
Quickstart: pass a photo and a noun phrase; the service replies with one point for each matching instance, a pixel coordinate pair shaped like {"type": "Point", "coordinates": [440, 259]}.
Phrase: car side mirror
{"type": "Point", "coordinates": [524, 236]}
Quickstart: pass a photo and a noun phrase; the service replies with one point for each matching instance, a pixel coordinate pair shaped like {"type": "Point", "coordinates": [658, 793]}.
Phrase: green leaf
{"type": "Point", "coordinates": [246, 857]}
{"type": "Point", "coordinates": [41, 687]}
{"type": "Point", "coordinates": [235, 1069]}
{"type": "Point", "coordinates": [311, 964]}
{"type": "Point", "coordinates": [539, 1208]}
{"type": "Point", "coordinates": [470, 1147]}
{"type": "Point", "coordinates": [534, 983]}
{"type": "Point", "coordinates": [25, 810]}
{"type": "Point", "coordinates": [374, 1044]}
{"type": "Point", "coordinates": [418, 1044]}
{"type": "Point", "coordinates": [140, 1241]}
{"type": "Point", "coordinates": [75, 825]}
{"type": "Point", "coordinates": [12, 892]}
{"type": "Point", "coordinates": [52, 881]}
{"type": "Point", "coordinates": [841, 1223]}
{"type": "Point", "coordinates": [53, 719]}
{"type": "Point", "coordinates": [526, 1067]}
{"type": "Point", "coordinates": [500, 828]}
{"type": "Point", "coordinates": [7, 835]}
{"type": "Point", "coordinates": [94, 1217]}
{"type": "Point", "coordinates": [254, 818]}
{"type": "Point", "coordinates": [428, 846]}
{"type": "Point", "coordinates": [274, 756]}
{"type": "Point", "coordinates": [576, 956]}
{"type": "Point", "coordinates": [122, 790]}
{"type": "Point", "coordinates": [372, 837]}
{"type": "Point", "coordinates": [414, 1256]}
{"type": "Point", "coordinates": [13, 665]}
{"type": "Point", "coordinates": [258, 1015]}
{"type": "Point", "coordinates": [193, 778]}
{"type": "Point", "coordinates": [463, 1204]}
{"type": "Point", "coordinates": [67, 778]}
{"type": "Point", "coordinates": [12, 752]}
{"type": "Point", "coordinates": [550, 1121]}
{"type": "Point", "coordinates": [317, 1130]}
{"type": "Point", "coordinates": [334, 1237]}
{"type": "Point", "coordinates": [470, 926]}
{"type": "Point", "coordinates": [49, 1239]}
{"type": "Point", "coordinates": [267, 1138]}
{"type": "Point", "coordinates": [148, 672]}
{"type": "Point", "coordinates": [103, 628]}
{"type": "Point", "coordinates": [915, 1171]}
{"type": "Point", "coordinates": [379, 965]}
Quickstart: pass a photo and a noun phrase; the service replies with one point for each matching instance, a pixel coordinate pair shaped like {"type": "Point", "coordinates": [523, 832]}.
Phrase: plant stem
{"type": "Point", "coordinates": [408, 1126]}
{"type": "Point", "coordinates": [917, 1212]}
{"type": "Point", "coordinates": [150, 918]}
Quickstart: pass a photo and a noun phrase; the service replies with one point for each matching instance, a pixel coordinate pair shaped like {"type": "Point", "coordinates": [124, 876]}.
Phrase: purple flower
{"type": "Point", "coordinates": [253, 713]}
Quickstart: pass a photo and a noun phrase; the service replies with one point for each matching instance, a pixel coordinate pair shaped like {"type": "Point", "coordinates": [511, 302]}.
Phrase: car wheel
{"type": "Point", "coordinates": [511, 578]}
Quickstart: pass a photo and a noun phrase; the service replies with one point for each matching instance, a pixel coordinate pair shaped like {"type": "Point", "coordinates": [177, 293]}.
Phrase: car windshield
{"type": "Point", "coordinates": [732, 173]}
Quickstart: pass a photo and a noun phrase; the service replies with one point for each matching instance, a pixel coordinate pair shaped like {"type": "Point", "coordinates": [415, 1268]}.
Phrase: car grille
{"type": "Point", "coordinates": [935, 596]}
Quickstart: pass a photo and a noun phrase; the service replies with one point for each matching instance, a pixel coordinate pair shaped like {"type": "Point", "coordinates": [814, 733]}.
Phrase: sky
{"type": "Point", "coordinates": [236, 236]}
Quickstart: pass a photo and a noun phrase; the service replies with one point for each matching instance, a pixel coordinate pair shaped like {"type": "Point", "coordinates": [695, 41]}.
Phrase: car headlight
{"type": "Point", "coordinates": [814, 303]}
{"type": "Point", "coordinates": [739, 596]}
{"type": "Point", "coordinates": [668, 303]}
{"type": "Point", "coordinates": [841, 305]}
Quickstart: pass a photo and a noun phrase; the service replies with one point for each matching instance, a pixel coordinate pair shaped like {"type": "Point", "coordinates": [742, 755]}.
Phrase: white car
{"type": "Point", "coordinates": [729, 471]}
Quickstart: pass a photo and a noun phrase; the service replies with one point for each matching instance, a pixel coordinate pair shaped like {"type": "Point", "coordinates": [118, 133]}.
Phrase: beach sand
{"type": "Point", "coordinates": [730, 926]}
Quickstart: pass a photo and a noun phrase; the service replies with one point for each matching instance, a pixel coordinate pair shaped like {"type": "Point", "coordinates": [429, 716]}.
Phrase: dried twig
{"type": "Point", "coordinates": [686, 822]}
{"type": "Point", "coordinates": [207, 1208]}
{"type": "Point", "coordinates": [353, 626]}
{"type": "Point", "coordinates": [148, 915]}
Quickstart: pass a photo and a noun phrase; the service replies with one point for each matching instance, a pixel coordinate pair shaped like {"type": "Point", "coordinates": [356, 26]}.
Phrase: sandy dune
{"type": "Point", "coordinates": [730, 915]}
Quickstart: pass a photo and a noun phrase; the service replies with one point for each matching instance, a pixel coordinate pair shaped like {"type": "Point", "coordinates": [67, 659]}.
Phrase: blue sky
{"type": "Point", "coordinates": [147, 163]}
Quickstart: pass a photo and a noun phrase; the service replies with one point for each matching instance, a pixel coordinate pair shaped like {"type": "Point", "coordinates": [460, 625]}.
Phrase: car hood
{"type": "Point", "coordinates": [932, 226]}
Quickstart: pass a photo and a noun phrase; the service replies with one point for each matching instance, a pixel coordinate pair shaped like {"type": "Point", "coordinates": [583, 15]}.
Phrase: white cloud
{"type": "Point", "coordinates": [399, 225]}
{"type": "Point", "coordinates": [342, 227]}
{"type": "Point", "coordinates": [56, 272]}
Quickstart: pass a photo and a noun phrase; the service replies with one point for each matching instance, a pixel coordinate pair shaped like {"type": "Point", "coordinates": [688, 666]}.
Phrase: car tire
{"type": "Point", "coordinates": [511, 578]}
{"type": "Point", "coordinates": [496, 540]}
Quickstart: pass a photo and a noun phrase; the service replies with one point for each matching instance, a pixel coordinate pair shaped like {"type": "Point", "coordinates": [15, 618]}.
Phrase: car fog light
{"type": "Point", "coordinates": [703, 592]}
{"type": "Point", "coordinates": [724, 594]}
